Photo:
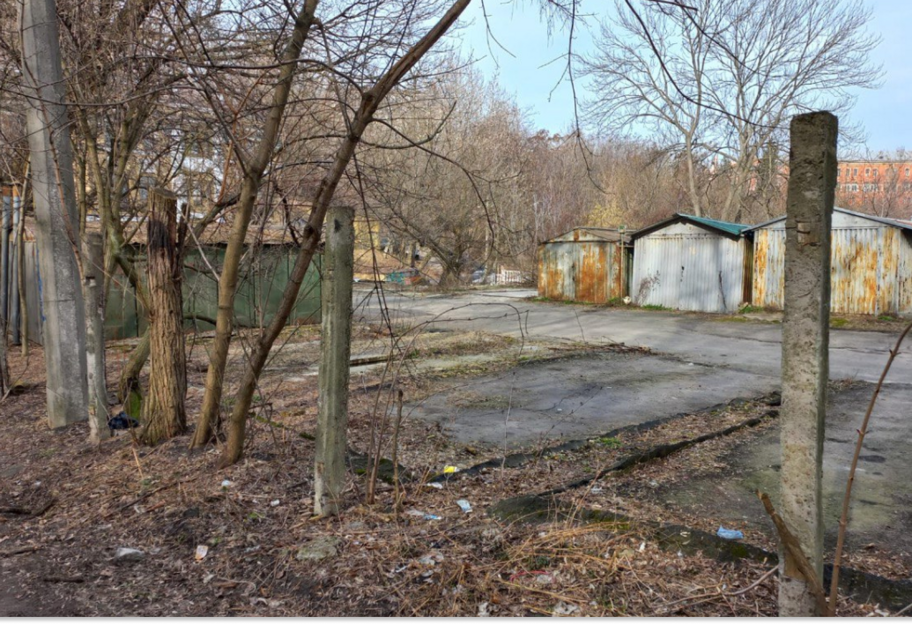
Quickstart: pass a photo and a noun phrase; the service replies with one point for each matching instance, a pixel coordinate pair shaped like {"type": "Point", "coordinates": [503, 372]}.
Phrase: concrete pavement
{"type": "Point", "coordinates": [700, 362]}
{"type": "Point", "coordinates": [749, 346]}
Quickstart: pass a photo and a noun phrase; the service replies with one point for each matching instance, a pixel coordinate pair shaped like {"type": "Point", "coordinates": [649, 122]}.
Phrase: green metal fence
{"type": "Point", "coordinates": [263, 278]}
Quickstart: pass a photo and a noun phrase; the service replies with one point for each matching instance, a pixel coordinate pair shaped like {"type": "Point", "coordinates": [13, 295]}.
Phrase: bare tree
{"type": "Point", "coordinates": [720, 80]}
{"type": "Point", "coordinates": [641, 184]}
{"type": "Point", "coordinates": [462, 191]}
{"type": "Point", "coordinates": [357, 120]}
{"type": "Point", "coordinates": [254, 165]}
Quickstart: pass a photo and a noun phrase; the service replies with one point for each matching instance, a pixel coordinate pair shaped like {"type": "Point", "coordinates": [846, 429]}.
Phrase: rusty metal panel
{"type": "Point", "coordinates": [592, 273]}
{"type": "Point", "coordinates": [871, 267]}
{"type": "Point", "coordinates": [587, 271]}
{"type": "Point", "coordinates": [863, 270]}
{"type": "Point", "coordinates": [686, 267]}
{"type": "Point", "coordinates": [551, 271]}
{"type": "Point", "coordinates": [769, 268]}
{"type": "Point", "coordinates": [904, 273]}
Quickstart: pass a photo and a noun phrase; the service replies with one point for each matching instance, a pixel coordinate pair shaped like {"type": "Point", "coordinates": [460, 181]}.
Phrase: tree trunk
{"type": "Point", "coordinates": [320, 205]}
{"type": "Point", "coordinates": [335, 353]}
{"type": "Point", "coordinates": [6, 228]}
{"type": "Point", "coordinates": [14, 319]}
{"type": "Point", "coordinates": [163, 410]}
{"type": "Point", "coordinates": [51, 162]}
{"type": "Point", "coordinates": [4, 362]}
{"type": "Point", "coordinates": [129, 390]}
{"type": "Point", "coordinates": [93, 295]}
{"type": "Point", "coordinates": [692, 190]}
{"type": "Point", "coordinates": [218, 359]}
{"type": "Point", "coordinates": [805, 352]}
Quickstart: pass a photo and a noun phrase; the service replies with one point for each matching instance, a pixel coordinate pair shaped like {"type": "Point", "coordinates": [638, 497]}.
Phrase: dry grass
{"type": "Point", "coordinates": [167, 501]}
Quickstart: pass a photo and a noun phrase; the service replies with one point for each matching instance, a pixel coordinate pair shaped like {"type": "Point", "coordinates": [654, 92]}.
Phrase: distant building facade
{"type": "Point", "coordinates": [879, 187]}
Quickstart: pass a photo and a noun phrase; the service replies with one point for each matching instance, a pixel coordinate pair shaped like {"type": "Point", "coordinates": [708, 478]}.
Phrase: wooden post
{"type": "Point", "coordinates": [164, 413]}
{"type": "Point", "coordinates": [805, 349]}
{"type": "Point", "coordinates": [338, 274]}
{"type": "Point", "coordinates": [93, 295]}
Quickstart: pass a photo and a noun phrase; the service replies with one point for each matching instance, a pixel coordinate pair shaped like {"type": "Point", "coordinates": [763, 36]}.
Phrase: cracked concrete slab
{"type": "Point", "coordinates": [882, 494]}
{"type": "Point", "coordinates": [580, 396]}
{"type": "Point", "coordinates": [703, 362]}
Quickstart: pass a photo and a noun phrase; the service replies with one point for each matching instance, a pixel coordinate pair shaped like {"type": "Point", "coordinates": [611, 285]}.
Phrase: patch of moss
{"type": "Point", "coordinates": [609, 442]}
{"type": "Point", "coordinates": [133, 404]}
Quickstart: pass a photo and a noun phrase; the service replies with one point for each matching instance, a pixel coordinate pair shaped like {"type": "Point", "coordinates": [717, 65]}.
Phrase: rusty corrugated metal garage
{"type": "Point", "coordinates": [691, 263]}
{"type": "Point", "coordinates": [585, 264]}
{"type": "Point", "coordinates": [871, 264]}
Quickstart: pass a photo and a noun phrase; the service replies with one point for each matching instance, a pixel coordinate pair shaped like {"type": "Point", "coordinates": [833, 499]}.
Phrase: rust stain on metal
{"type": "Point", "coordinates": [871, 268]}
{"type": "Point", "coordinates": [855, 275]}
{"type": "Point", "coordinates": [761, 259]}
{"type": "Point", "coordinates": [592, 276]}
{"type": "Point", "coordinates": [550, 278]}
{"type": "Point", "coordinates": [587, 271]}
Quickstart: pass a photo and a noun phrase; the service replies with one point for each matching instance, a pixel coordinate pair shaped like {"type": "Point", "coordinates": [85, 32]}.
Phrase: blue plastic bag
{"type": "Point", "coordinates": [729, 534]}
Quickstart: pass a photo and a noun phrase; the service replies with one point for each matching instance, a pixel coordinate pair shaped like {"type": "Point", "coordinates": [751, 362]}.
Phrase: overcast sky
{"type": "Point", "coordinates": [524, 71]}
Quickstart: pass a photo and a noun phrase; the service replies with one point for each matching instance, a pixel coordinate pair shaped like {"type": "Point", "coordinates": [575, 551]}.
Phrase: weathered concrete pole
{"type": "Point", "coordinates": [94, 297]}
{"type": "Point", "coordinates": [805, 348]}
{"type": "Point", "coordinates": [51, 162]}
{"type": "Point", "coordinates": [338, 274]}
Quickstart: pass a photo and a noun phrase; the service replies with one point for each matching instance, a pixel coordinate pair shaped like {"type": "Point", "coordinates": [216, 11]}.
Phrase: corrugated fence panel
{"type": "Point", "coordinates": [687, 268]}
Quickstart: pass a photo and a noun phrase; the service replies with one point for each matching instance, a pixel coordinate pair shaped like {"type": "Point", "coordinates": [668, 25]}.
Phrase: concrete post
{"type": "Point", "coordinates": [338, 274]}
{"type": "Point", "coordinates": [805, 348]}
{"type": "Point", "coordinates": [94, 297]}
{"type": "Point", "coordinates": [51, 162]}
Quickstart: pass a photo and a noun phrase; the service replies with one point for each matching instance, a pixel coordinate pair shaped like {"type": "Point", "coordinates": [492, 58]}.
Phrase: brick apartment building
{"type": "Point", "coordinates": [880, 187]}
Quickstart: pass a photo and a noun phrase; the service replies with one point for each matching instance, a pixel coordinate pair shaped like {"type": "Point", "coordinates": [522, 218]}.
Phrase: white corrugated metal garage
{"type": "Point", "coordinates": [692, 263]}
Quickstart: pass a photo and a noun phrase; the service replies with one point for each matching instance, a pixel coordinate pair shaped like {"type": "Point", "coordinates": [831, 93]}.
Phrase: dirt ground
{"type": "Point", "coordinates": [242, 541]}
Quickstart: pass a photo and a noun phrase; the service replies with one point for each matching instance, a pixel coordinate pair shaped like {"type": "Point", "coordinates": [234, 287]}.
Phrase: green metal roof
{"type": "Point", "coordinates": [734, 230]}
{"type": "Point", "coordinates": [725, 226]}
